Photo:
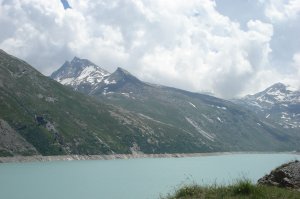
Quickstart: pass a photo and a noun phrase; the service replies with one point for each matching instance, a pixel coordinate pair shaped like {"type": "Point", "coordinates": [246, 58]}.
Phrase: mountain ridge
{"type": "Point", "coordinates": [44, 117]}
{"type": "Point", "coordinates": [279, 102]}
{"type": "Point", "coordinates": [56, 120]}
{"type": "Point", "coordinates": [81, 74]}
{"type": "Point", "coordinates": [218, 122]}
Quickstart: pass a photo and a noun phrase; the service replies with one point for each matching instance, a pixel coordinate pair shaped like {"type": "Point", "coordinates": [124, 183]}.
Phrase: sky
{"type": "Point", "coordinates": [227, 47]}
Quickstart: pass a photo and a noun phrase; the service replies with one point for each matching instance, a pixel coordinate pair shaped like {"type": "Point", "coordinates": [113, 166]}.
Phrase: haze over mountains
{"type": "Point", "coordinates": [118, 113]}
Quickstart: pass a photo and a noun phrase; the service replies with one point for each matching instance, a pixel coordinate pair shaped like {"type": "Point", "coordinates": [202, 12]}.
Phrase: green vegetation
{"type": "Point", "coordinates": [56, 120]}
{"type": "Point", "coordinates": [206, 123]}
{"type": "Point", "coordinates": [182, 121]}
{"type": "Point", "coordinates": [242, 189]}
{"type": "Point", "coordinates": [4, 153]}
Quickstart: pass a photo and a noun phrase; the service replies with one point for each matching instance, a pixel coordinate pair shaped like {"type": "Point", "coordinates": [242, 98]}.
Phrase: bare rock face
{"type": "Point", "coordinates": [287, 175]}
{"type": "Point", "coordinates": [11, 143]}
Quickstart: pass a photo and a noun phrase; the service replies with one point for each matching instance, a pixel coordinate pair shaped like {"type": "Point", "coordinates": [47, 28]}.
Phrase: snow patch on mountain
{"type": "Point", "coordinates": [80, 72]}
{"type": "Point", "coordinates": [279, 102]}
{"type": "Point", "coordinates": [66, 81]}
{"type": "Point", "coordinates": [207, 118]}
{"type": "Point", "coordinates": [107, 82]}
{"type": "Point", "coordinates": [219, 107]}
{"type": "Point", "coordinates": [219, 119]}
{"type": "Point", "coordinates": [193, 105]}
{"type": "Point", "coordinates": [205, 134]}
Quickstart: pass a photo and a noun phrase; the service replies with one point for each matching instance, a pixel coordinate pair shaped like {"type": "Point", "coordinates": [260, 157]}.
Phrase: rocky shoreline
{"type": "Point", "coordinates": [40, 158]}
{"type": "Point", "coordinates": [287, 175]}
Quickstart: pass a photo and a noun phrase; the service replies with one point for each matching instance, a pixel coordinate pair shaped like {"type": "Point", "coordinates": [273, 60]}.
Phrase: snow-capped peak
{"type": "Point", "coordinates": [76, 59]}
{"type": "Point", "coordinates": [278, 102]}
{"type": "Point", "coordinates": [79, 72]}
{"type": "Point", "coordinates": [277, 93]}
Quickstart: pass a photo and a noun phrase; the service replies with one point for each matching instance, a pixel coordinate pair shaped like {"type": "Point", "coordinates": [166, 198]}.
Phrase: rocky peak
{"type": "Point", "coordinates": [279, 102]}
{"type": "Point", "coordinates": [122, 71]}
{"type": "Point", "coordinates": [77, 62]}
{"type": "Point", "coordinates": [277, 93]}
{"type": "Point", "coordinates": [120, 81]}
{"type": "Point", "coordinates": [76, 59]}
{"type": "Point", "coordinates": [279, 88]}
{"type": "Point", "coordinates": [122, 75]}
{"type": "Point", "coordinates": [79, 72]}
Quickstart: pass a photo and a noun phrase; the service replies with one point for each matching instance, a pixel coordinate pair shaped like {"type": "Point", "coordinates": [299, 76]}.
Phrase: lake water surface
{"type": "Point", "coordinates": [129, 179]}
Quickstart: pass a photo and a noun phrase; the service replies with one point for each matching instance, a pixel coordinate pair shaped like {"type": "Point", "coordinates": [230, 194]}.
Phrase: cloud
{"type": "Point", "coordinates": [268, 76]}
{"type": "Point", "coordinates": [189, 45]}
{"type": "Point", "coordinates": [296, 65]}
{"type": "Point", "coordinates": [35, 32]}
{"type": "Point", "coordinates": [282, 10]}
{"type": "Point", "coordinates": [211, 53]}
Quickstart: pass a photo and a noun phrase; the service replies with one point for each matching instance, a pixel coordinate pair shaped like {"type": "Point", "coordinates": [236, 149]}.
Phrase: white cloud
{"type": "Point", "coordinates": [269, 76]}
{"type": "Point", "coordinates": [45, 34]}
{"type": "Point", "coordinates": [183, 44]}
{"type": "Point", "coordinates": [296, 65]}
{"type": "Point", "coordinates": [209, 53]}
{"type": "Point", "coordinates": [282, 10]}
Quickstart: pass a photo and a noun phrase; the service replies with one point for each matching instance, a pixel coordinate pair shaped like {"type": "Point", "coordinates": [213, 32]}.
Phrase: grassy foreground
{"type": "Point", "coordinates": [241, 189]}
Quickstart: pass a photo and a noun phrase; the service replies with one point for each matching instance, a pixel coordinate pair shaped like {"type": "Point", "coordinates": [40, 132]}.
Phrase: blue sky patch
{"type": "Point", "coordinates": [65, 4]}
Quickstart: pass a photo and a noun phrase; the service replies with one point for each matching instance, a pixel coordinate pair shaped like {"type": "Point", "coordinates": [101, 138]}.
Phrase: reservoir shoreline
{"type": "Point", "coordinates": [40, 158]}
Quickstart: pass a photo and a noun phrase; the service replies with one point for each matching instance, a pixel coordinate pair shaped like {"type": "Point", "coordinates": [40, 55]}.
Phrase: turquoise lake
{"type": "Point", "coordinates": [131, 178]}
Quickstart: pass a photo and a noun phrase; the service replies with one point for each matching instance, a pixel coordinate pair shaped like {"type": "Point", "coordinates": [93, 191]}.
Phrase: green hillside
{"type": "Point", "coordinates": [57, 120]}
{"type": "Point", "coordinates": [45, 117]}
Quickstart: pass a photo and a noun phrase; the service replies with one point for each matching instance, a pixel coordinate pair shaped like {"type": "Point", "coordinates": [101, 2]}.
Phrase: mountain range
{"type": "Point", "coordinates": [40, 116]}
{"type": "Point", "coordinates": [223, 125]}
{"type": "Point", "coordinates": [83, 109]}
{"type": "Point", "coordinates": [279, 103]}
